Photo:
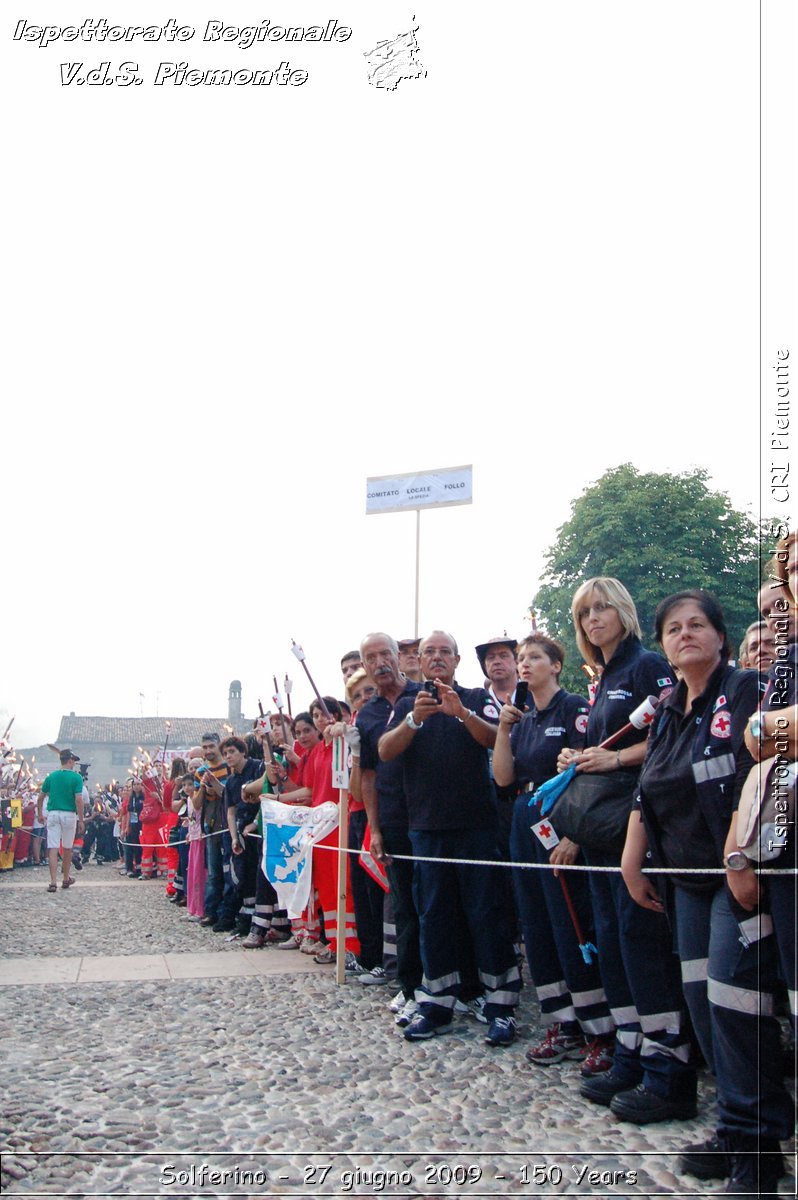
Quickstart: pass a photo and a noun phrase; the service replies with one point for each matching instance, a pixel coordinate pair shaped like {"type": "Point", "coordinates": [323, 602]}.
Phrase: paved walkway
{"type": "Point", "coordinates": [141, 1053]}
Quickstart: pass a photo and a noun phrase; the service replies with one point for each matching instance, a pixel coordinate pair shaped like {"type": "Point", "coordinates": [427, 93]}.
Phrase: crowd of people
{"type": "Point", "coordinates": [661, 952]}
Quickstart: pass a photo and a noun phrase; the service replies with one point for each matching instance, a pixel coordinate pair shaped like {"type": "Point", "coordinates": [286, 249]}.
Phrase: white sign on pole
{"type": "Point", "coordinates": [419, 489]}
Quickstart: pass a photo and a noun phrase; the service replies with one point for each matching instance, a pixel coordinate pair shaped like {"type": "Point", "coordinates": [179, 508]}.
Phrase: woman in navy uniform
{"type": "Point", "coordinates": [652, 1077]}
{"type": "Point", "coordinates": [525, 755]}
{"type": "Point", "coordinates": [690, 785]}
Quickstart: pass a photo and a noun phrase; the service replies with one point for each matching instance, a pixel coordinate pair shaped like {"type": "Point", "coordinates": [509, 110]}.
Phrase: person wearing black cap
{"type": "Point", "coordinates": [64, 792]}
{"type": "Point", "coordinates": [409, 660]}
{"type": "Point", "coordinates": [497, 660]}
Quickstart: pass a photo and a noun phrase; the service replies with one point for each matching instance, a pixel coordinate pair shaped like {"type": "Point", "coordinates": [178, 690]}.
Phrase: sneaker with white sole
{"type": "Point", "coordinates": [325, 955]}
{"type": "Point", "coordinates": [501, 1031]}
{"type": "Point", "coordinates": [476, 1008]}
{"type": "Point", "coordinates": [253, 941]}
{"type": "Point", "coordinates": [406, 1013]}
{"type": "Point", "coordinates": [398, 1003]}
{"type": "Point", "coordinates": [352, 968]}
{"type": "Point", "coordinates": [420, 1027]}
{"type": "Point", "coordinates": [376, 975]}
{"type": "Point", "coordinates": [310, 946]}
{"type": "Point", "coordinates": [598, 1055]}
{"type": "Point", "coordinates": [290, 943]}
{"type": "Point", "coordinates": [555, 1046]}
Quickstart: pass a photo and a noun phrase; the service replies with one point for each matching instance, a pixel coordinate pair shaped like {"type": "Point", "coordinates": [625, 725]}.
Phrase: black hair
{"type": "Point", "coordinates": [237, 742]}
{"type": "Point", "coordinates": [709, 607]}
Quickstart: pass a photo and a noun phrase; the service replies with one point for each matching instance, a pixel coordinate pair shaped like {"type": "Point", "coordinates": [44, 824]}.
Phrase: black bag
{"type": "Point", "coordinates": [593, 811]}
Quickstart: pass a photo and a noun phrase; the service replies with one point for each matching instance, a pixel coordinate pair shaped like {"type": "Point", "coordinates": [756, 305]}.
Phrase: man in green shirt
{"type": "Point", "coordinates": [64, 792]}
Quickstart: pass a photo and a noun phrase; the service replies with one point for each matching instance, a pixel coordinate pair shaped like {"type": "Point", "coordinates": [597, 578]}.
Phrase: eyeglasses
{"type": "Point", "coordinates": [598, 608]}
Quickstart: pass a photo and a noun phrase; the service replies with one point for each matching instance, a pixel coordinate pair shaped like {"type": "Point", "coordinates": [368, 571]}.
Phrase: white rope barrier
{"type": "Point", "coordinates": [469, 862]}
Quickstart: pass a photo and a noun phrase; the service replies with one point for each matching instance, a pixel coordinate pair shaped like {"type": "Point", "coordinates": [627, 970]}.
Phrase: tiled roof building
{"type": "Point", "coordinates": [137, 731]}
{"type": "Point", "coordinates": [111, 743]}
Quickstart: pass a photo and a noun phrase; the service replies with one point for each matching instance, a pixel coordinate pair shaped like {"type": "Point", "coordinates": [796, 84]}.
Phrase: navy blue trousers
{"type": "Point", "coordinates": [569, 989]}
{"type": "Point", "coordinates": [728, 971]}
{"type": "Point", "coordinates": [400, 879]}
{"type": "Point", "coordinates": [783, 904]}
{"type": "Point", "coordinates": [442, 893]}
{"type": "Point", "coordinates": [640, 973]}
{"type": "Point", "coordinates": [367, 896]}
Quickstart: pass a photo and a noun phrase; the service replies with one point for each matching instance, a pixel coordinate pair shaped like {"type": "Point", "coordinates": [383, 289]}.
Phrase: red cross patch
{"type": "Point", "coordinates": [544, 832]}
{"type": "Point", "coordinates": [581, 722]}
{"type": "Point", "coordinates": [721, 724]}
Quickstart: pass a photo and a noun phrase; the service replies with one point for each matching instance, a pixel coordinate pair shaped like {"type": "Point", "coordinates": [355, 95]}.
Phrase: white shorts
{"type": "Point", "coordinates": [61, 828]}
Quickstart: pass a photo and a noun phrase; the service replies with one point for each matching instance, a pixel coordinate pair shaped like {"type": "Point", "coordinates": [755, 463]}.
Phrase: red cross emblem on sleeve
{"type": "Point", "coordinates": [721, 725]}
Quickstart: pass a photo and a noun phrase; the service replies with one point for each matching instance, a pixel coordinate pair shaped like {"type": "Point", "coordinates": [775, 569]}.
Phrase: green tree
{"type": "Point", "coordinates": [658, 534]}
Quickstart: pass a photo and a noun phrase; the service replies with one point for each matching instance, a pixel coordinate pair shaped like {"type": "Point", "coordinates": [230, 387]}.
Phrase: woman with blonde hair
{"type": "Point", "coordinates": [651, 1078]}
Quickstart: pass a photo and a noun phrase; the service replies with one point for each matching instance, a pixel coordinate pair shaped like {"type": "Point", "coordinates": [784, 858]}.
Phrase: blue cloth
{"type": "Point", "coordinates": [549, 792]}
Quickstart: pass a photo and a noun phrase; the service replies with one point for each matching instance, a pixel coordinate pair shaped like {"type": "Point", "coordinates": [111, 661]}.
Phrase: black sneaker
{"type": "Point", "coordinates": [755, 1175]}
{"type": "Point", "coordinates": [601, 1088]}
{"type": "Point", "coordinates": [224, 927]}
{"type": "Point", "coordinates": [645, 1107]}
{"type": "Point", "coordinates": [206, 921]}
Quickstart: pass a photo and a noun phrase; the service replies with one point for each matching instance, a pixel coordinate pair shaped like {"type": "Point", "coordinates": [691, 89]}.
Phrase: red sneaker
{"type": "Point", "coordinates": [598, 1055]}
{"type": "Point", "coordinates": [556, 1046]}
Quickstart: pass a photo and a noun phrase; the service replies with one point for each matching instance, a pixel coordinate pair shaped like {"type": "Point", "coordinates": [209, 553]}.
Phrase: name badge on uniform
{"type": "Point", "coordinates": [545, 833]}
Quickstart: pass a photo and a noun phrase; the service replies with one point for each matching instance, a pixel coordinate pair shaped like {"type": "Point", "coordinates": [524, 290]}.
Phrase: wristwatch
{"type": "Point", "coordinates": [411, 723]}
{"type": "Point", "coordinates": [736, 861]}
{"type": "Point", "coordinates": [755, 725]}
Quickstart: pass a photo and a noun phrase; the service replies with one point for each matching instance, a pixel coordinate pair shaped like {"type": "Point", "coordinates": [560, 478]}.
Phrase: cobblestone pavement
{"type": "Point", "coordinates": [144, 1088]}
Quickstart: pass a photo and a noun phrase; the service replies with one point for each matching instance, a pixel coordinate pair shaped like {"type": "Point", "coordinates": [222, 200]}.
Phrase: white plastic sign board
{"type": "Point", "coordinates": [419, 489]}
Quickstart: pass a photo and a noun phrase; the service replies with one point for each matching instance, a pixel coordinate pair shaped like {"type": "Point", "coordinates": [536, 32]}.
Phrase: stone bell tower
{"type": "Point", "coordinates": [234, 705]}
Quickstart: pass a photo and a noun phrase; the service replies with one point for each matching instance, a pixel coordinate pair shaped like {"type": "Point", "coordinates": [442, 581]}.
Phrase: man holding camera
{"type": "Point", "coordinates": [443, 734]}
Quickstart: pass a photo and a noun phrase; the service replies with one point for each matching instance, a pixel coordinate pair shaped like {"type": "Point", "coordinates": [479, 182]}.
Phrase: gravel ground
{"type": "Point", "coordinates": [129, 1088]}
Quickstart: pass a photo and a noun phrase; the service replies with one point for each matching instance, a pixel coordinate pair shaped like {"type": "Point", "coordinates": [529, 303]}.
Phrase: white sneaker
{"type": "Point", "coordinates": [398, 1003]}
{"type": "Point", "coordinates": [409, 1010]}
{"type": "Point", "coordinates": [290, 944]}
{"type": "Point", "coordinates": [376, 975]}
{"type": "Point", "coordinates": [476, 1008]}
{"type": "Point", "coordinates": [460, 1009]}
{"type": "Point", "coordinates": [309, 946]}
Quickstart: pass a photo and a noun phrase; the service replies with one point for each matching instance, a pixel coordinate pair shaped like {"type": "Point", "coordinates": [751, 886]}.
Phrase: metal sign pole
{"type": "Point", "coordinates": [418, 559]}
{"type": "Point", "coordinates": [442, 488]}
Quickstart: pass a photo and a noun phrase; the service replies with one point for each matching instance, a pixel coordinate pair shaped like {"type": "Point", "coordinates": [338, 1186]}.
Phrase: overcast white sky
{"type": "Point", "coordinates": [226, 307]}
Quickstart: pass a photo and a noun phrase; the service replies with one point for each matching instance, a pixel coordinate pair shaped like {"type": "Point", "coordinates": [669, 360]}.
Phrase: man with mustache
{"type": "Point", "coordinates": [442, 735]}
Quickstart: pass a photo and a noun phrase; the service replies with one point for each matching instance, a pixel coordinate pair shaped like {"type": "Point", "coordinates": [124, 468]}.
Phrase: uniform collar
{"type": "Point", "coordinates": [676, 699]}
{"type": "Point", "coordinates": [622, 651]}
{"type": "Point", "coordinates": [543, 712]}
